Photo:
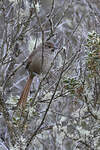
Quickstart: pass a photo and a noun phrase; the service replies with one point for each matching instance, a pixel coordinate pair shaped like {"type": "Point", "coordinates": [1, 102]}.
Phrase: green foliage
{"type": "Point", "coordinates": [71, 84]}
{"type": "Point", "coordinates": [93, 53]}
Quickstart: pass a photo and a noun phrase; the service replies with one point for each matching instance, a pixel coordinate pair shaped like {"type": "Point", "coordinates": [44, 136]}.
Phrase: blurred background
{"type": "Point", "coordinates": [74, 27]}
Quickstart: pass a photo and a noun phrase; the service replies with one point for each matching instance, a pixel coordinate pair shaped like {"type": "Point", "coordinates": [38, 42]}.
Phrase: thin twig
{"type": "Point", "coordinates": [8, 120]}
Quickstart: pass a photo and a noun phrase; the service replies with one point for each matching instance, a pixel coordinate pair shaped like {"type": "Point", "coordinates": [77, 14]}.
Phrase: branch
{"type": "Point", "coordinates": [7, 119]}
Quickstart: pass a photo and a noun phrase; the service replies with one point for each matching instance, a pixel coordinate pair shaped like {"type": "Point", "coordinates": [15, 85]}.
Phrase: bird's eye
{"type": "Point", "coordinates": [52, 50]}
{"type": "Point", "coordinates": [49, 46]}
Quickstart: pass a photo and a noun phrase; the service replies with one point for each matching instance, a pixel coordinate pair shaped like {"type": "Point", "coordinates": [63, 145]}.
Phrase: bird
{"type": "Point", "coordinates": [39, 61]}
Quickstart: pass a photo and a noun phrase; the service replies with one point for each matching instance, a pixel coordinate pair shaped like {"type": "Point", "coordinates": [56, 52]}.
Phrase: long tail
{"type": "Point", "coordinates": [24, 95]}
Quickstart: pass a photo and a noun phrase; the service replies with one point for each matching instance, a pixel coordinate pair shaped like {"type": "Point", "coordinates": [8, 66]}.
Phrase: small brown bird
{"type": "Point", "coordinates": [37, 63]}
